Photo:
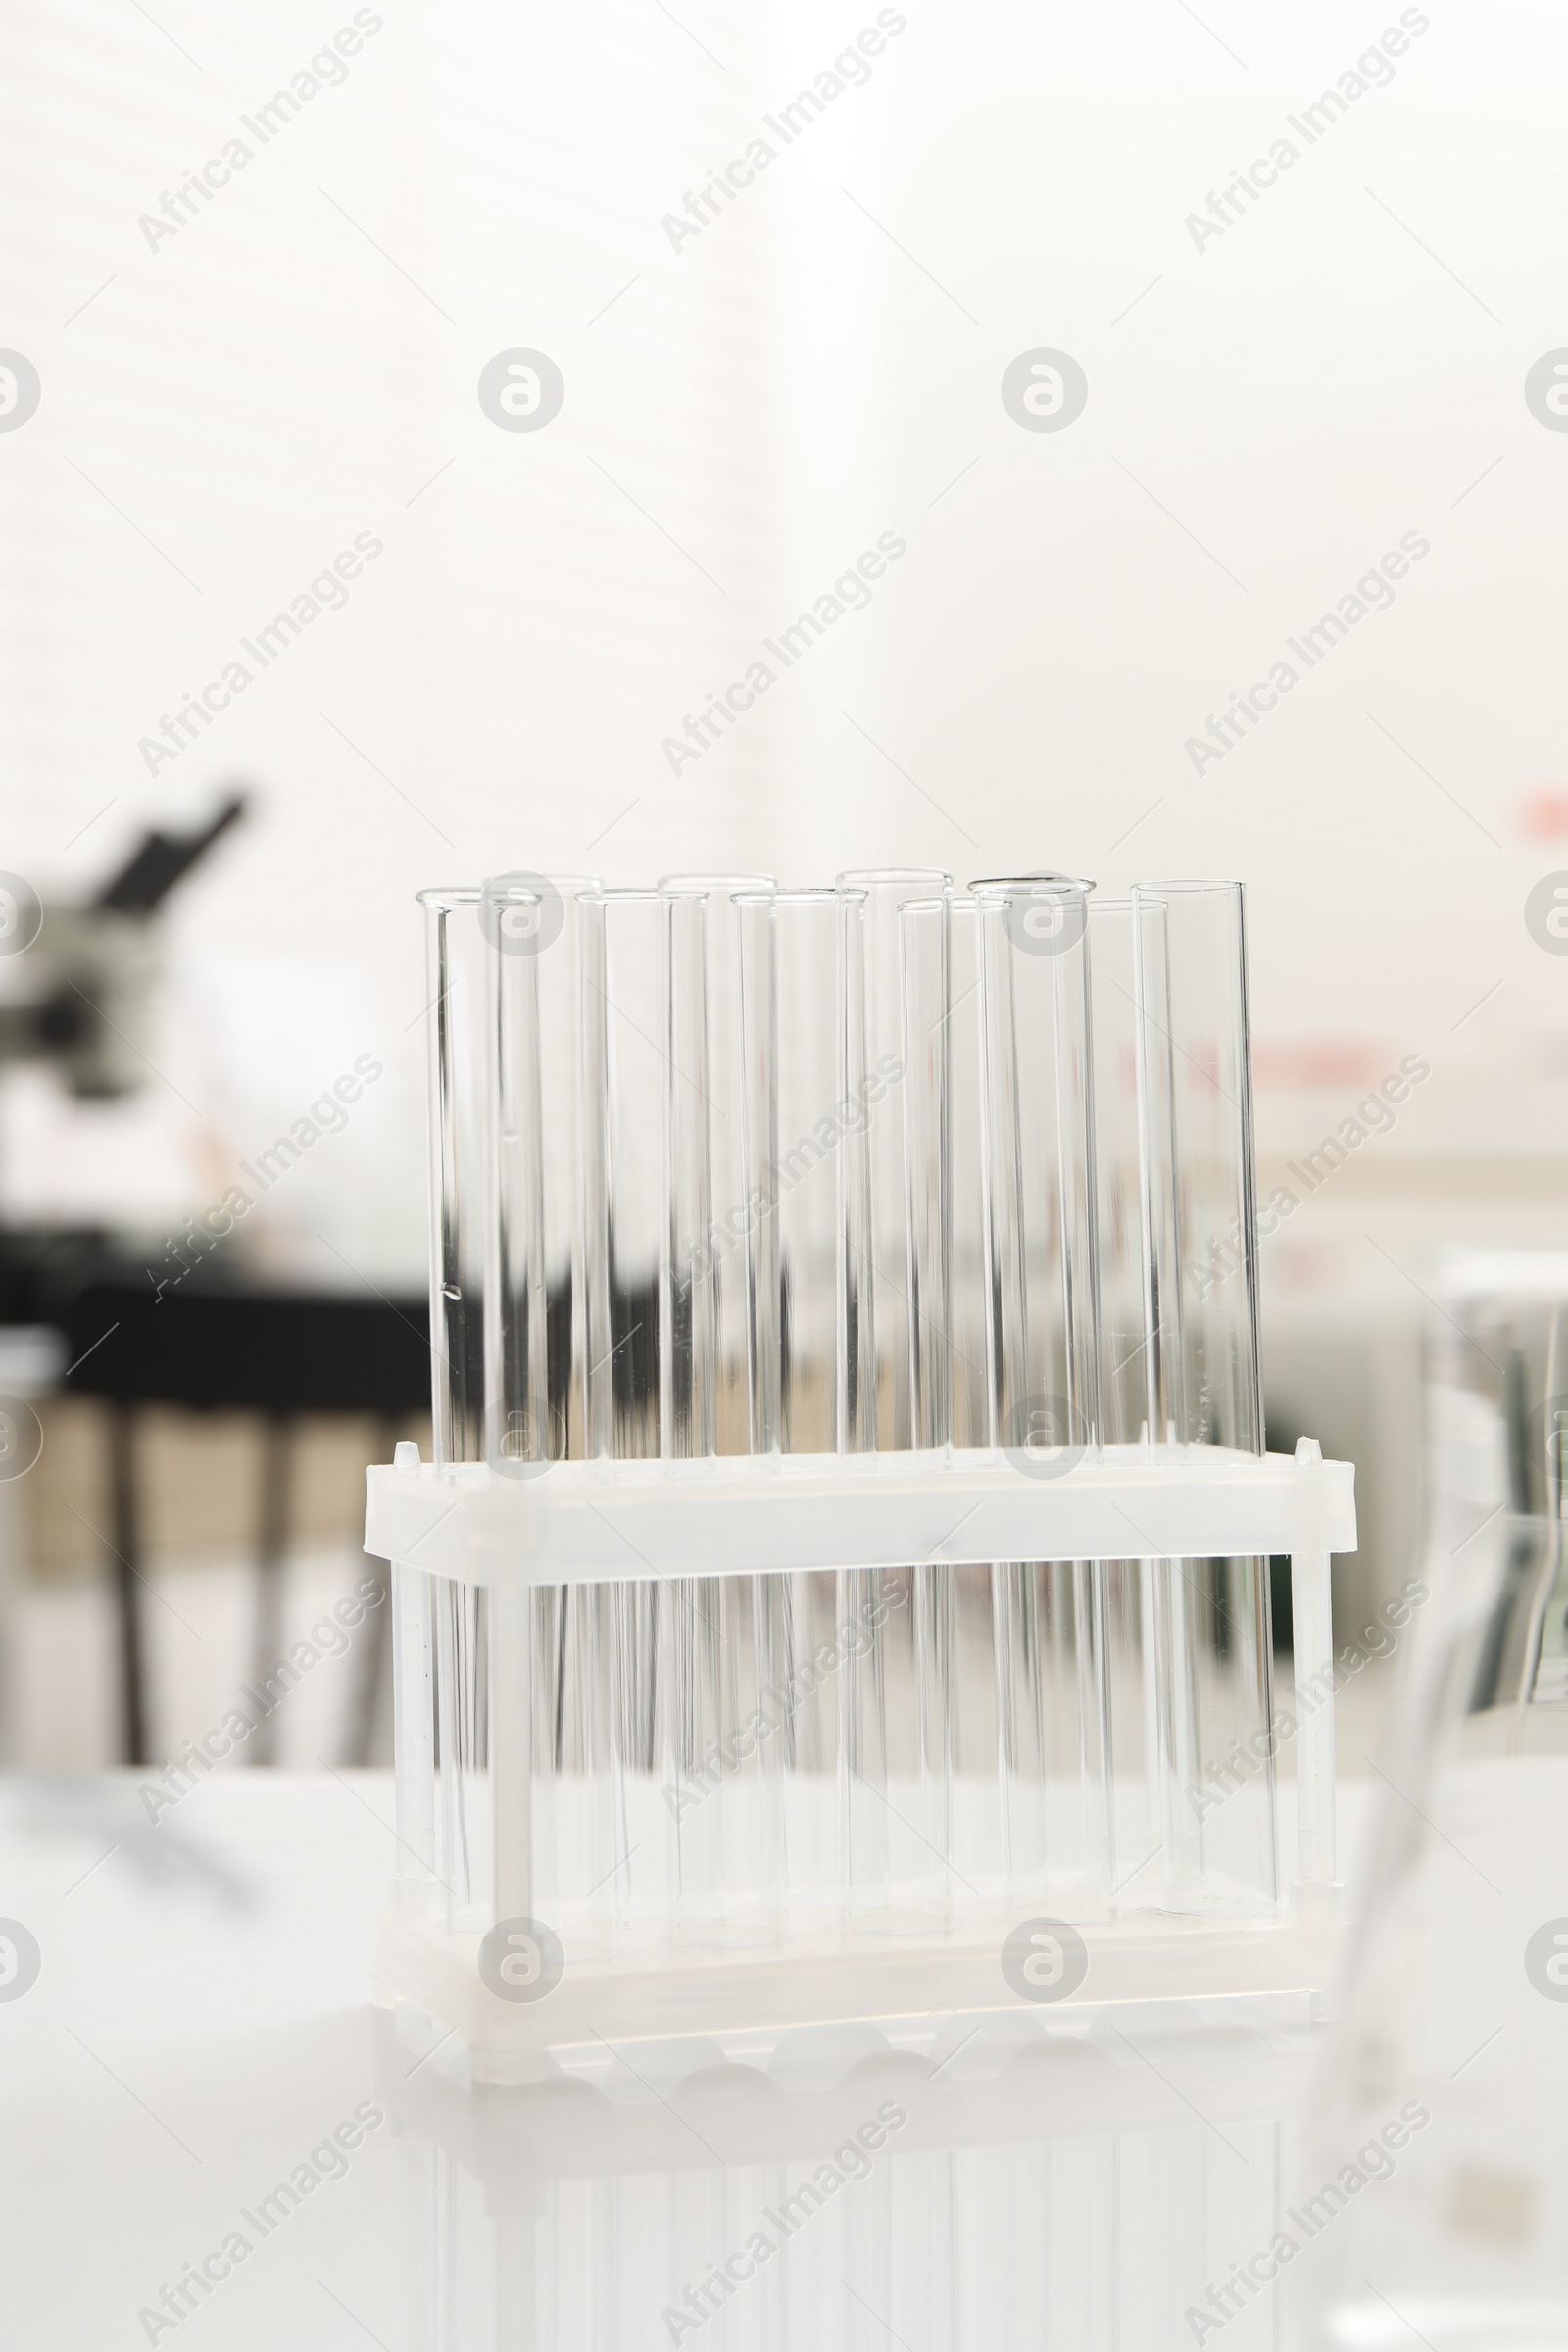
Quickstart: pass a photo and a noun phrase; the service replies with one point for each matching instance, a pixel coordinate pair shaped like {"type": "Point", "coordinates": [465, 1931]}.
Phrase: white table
{"type": "Point", "coordinates": [201, 2024]}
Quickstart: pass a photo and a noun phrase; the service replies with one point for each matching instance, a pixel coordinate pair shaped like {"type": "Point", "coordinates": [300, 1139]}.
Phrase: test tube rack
{"type": "Point", "coordinates": [789, 1662]}
{"type": "Point", "coordinates": [464, 1525]}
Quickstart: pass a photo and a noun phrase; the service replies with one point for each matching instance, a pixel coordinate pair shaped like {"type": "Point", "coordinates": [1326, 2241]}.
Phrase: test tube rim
{"type": "Point", "coordinates": [998, 884]}
{"type": "Point", "coordinates": [716, 885]}
{"type": "Point", "coordinates": [820, 894]}
{"type": "Point", "coordinates": [862, 878]}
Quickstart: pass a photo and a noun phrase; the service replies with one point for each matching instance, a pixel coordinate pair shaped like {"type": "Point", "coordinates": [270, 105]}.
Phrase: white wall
{"type": "Point", "coordinates": [1340, 367]}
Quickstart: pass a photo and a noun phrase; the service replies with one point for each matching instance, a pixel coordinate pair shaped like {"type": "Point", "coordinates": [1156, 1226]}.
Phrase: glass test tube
{"type": "Point", "coordinates": [437, 1625]}
{"type": "Point", "coordinates": [549, 1649]}
{"type": "Point", "coordinates": [1128, 1362]}
{"type": "Point", "coordinates": [1126, 1357]}
{"type": "Point", "coordinates": [421, 1892]}
{"type": "Point", "coordinates": [455, 988]}
{"type": "Point", "coordinates": [1052, 1687]}
{"type": "Point", "coordinates": [974, 1674]}
{"type": "Point", "coordinates": [966, 1282]}
{"type": "Point", "coordinates": [1212, 1616]}
{"type": "Point", "coordinates": [795, 1125]}
{"type": "Point", "coordinates": [512, 914]}
{"type": "Point", "coordinates": [625, 1063]}
{"type": "Point", "coordinates": [572, 1743]}
{"type": "Point", "coordinates": [692, 1659]}
{"type": "Point", "coordinates": [561, 1067]}
{"type": "Point", "coordinates": [924, 927]}
{"type": "Point", "coordinates": [884, 1698]}
{"type": "Point", "coordinates": [724, 1631]}
{"type": "Point", "coordinates": [881, 1047]}
{"type": "Point", "coordinates": [1197, 1081]}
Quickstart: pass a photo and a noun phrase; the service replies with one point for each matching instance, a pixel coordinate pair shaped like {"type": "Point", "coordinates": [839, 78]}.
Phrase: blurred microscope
{"type": "Point", "coordinates": [86, 1000]}
{"type": "Point", "coordinates": [78, 994]}
{"type": "Point", "coordinates": [80, 1308]}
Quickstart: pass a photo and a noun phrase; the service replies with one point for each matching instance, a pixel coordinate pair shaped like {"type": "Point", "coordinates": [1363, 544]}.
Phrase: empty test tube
{"type": "Point", "coordinates": [797, 1118]}
{"type": "Point", "coordinates": [799, 1130]}
{"type": "Point", "coordinates": [892, 1696]}
{"type": "Point", "coordinates": [924, 944]}
{"type": "Point", "coordinates": [1190, 940]}
{"type": "Point", "coordinates": [517, 1415]}
{"type": "Point", "coordinates": [456, 982]}
{"type": "Point", "coordinates": [723, 1633]}
{"type": "Point", "coordinates": [625, 1063]}
{"type": "Point", "coordinates": [1127, 1361]}
{"type": "Point", "coordinates": [966, 1278]}
{"type": "Point", "coordinates": [878, 1048]}
{"type": "Point", "coordinates": [973, 1735]}
{"type": "Point", "coordinates": [1040, 1197]}
{"type": "Point", "coordinates": [1053, 1685]}
{"type": "Point", "coordinates": [1132, 1277]}
{"type": "Point", "coordinates": [575, 1830]}
{"type": "Point", "coordinates": [549, 1649]}
{"type": "Point", "coordinates": [1214, 1661]}
{"type": "Point", "coordinates": [445, 1627]}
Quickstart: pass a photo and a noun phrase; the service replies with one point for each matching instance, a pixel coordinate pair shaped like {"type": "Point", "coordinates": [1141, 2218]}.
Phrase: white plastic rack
{"type": "Point", "coordinates": [799, 1622]}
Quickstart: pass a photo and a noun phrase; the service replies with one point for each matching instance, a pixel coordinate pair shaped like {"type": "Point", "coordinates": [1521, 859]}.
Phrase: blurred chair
{"type": "Point", "coordinates": [279, 1354]}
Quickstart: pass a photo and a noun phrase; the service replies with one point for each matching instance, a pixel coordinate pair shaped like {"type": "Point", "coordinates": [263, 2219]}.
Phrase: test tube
{"type": "Point", "coordinates": [1128, 1375]}
{"type": "Point", "coordinates": [881, 1046]}
{"type": "Point", "coordinates": [1127, 1359]}
{"type": "Point", "coordinates": [517, 1418]}
{"type": "Point", "coordinates": [974, 1676]}
{"type": "Point", "coordinates": [1053, 1696]}
{"type": "Point", "coordinates": [709, 1218]}
{"type": "Point", "coordinates": [1192, 989]}
{"type": "Point", "coordinates": [803, 990]}
{"type": "Point", "coordinates": [455, 989]}
{"type": "Point", "coordinates": [579, 1858]}
{"type": "Point", "coordinates": [1040, 1201]}
{"type": "Point", "coordinates": [560, 985]}
{"type": "Point", "coordinates": [924, 953]}
{"type": "Point", "coordinates": [1213, 1644]}
{"type": "Point", "coordinates": [888, 1694]}
{"type": "Point", "coordinates": [513, 912]}
{"type": "Point", "coordinates": [625, 1063]}
{"type": "Point", "coordinates": [436, 1622]}
{"type": "Point", "coordinates": [796, 1121]}
{"type": "Point", "coordinates": [966, 1286]}
{"type": "Point", "coordinates": [799, 1128]}
{"type": "Point", "coordinates": [722, 1631]}
{"type": "Point", "coordinates": [623, 1101]}
{"type": "Point", "coordinates": [548, 1650]}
